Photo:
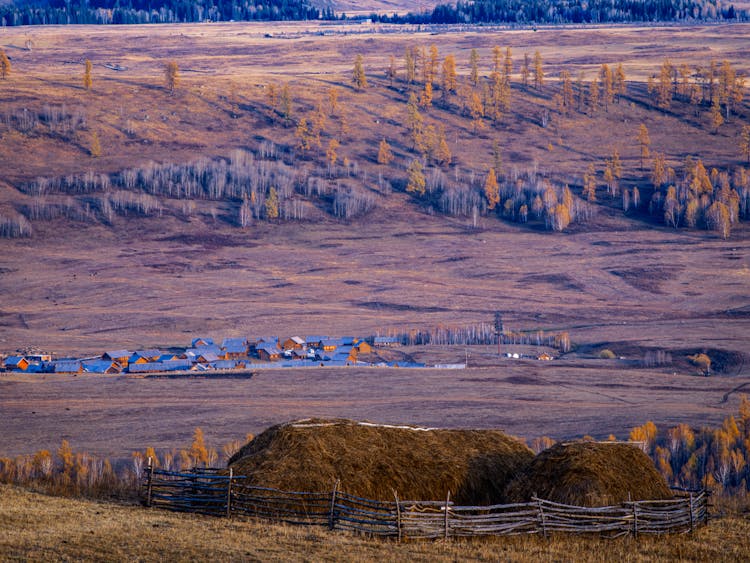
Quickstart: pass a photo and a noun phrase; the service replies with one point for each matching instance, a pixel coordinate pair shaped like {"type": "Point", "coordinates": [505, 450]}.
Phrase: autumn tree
{"type": "Point", "coordinates": [385, 156]}
{"type": "Point", "coordinates": [442, 152]}
{"type": "Point", "coordinates": [659, 170]}
{"type": "Point", "coordinates": [608, 86]}
{"type": "Point", "coordinates": [449, 80]}
{"type": "Point", "coordinates": [425, 98]}
{"type": "Point", "coordinates": [95, 150]}
{"type": "Point", "coordinates": [593, 94]}
{"type": "Point", "coordinates": [538, 71]}
{"type": "Point", "coordinates": [416, 183]}
{"type": "Point", "coordinates": [664, 88]}
{"type": "Point", "coordinates": [171, 76]}
{"type": "Point", "coordinates": [744, 144]}
{"type": "Point", "coordinates": [391, 72]}
{"type": "Point", "coordinates": [566, 87]}
{"type": "Point", "coordinates": [358, 74]}
{"type": "Point", "coordinates": [333, 100]}
{"type": "Point", "coordinates": [415, 122]}
{"type": "Point", "coordinates": [717, 119]}
{"type": "Point", "coordinates": [87, 82]}
{"type": "Point", "coordinates": [198, 451]}
{"type": "Point", "coordinates": [644, 142]}
{"type": "Point", "coordinates": [4, 65]}
{"type": "Point", "coordinates": [525, 70]}
{"type": "Point", "coordinates": [491, 190]}
{"type": "Point", "coordinates": [620, 86]}
{"type": "Point", "coordinates": [507, 65]}
{"type": "Point", "coordinates": [474, 68]}
{"type": "Point", "coordinates": [286, 102]}
{"type": "Point", "coordinates": [272, 204]}
{"type": "Point", "coordinates": [431, 64]}
{"type": "Point", "coordinates": [331, 155]}
{"type": "Point", "coordinates": [589, 184]}
{"type": "Point", "coordinates": [410, 64]}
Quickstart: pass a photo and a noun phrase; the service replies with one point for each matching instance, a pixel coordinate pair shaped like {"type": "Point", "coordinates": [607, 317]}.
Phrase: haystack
{"type": "Point", "coordinates": [372, 461]}
{"type": "Point", "coordinates": [589, 474]}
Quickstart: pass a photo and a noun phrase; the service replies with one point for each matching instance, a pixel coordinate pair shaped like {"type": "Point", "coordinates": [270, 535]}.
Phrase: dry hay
{"type": "Point", "coordinates": [374, 460]}
{"type": "Point", "coordinates": [589, 474]}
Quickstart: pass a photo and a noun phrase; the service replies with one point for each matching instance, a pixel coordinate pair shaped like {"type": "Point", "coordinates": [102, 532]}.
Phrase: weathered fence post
{"type": "Point", "coordinates": [541, 516]}
{"type": "Point", "coordinates": [447, 506]}
{"type": "Point", "coordinates": [691, 512]}
{"type": "Point", "coordinates": [229, 493]}
{"type": "Point", "coordinates": [398, 515]}
{"type": "Point", "coordinates": [149, 482]}
{"type": "Point", "coordinates": [635, 519]}
{"type": "Point", "coordinates": [331, 519]}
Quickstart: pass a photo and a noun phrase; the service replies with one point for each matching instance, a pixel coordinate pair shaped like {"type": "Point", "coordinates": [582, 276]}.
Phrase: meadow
{"type": "Point", "coordinates": [625, 282]}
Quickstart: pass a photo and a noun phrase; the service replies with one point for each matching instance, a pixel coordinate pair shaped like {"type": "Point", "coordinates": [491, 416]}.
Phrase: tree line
{"type": "Point", "coordinates": [571, 12]}
{"type": "Point", "coordinates": [61, 12]}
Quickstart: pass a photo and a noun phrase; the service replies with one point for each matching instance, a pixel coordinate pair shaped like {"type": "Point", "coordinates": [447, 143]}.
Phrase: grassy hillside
{"type": "Point", "coordinates": [40, 527]}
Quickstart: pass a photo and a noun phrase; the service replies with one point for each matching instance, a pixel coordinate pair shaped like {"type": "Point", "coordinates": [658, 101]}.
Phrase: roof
{"type": "Point", "coordinates": [207, 349]}
{"type": "Point", "coordinates": [100, 366]}
{"type": "Point", "coordinates": [207, 356]}
{"type": "Point", "coordinates": [147, 353]}
{"type": "Point", "coordinates": [297, 340]}
{"type": "Point", "coordinates": [196, 342]}
{"type": "Point", "coordinates": [14, 360]}
{"type": "Point", "coordinates": [234, 345]}
{"type": "Point", "coordinates": [269, 349]}
{"type": "Point", "coordinates": [167, 357]}
{"type": "Point", "coordinates": [68, 366]}
{"type": "Point", "coordinates": [118, 354]}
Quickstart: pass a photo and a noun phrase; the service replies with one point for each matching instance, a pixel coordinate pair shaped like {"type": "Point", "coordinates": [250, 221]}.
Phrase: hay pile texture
{"type": "Point", "coordinates": [374, 460]}
{"type": "Point", "coordinates": [589, 474]}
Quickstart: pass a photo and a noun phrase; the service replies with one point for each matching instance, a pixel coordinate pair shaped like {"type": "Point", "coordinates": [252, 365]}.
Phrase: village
{"type": "Point", "coordinates": [205, 355]}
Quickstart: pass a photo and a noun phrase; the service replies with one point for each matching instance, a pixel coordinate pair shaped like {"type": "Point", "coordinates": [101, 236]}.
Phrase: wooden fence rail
{"type": "Point", "coordinates": [216, 493]}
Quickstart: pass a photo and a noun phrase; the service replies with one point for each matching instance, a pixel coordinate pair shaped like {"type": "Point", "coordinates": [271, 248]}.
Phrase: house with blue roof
{"type": "Point", "coordinates": [234, 347]}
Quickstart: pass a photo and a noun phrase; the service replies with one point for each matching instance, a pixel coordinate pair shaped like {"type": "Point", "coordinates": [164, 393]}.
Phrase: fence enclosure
{"type": "Point", "coordinates": [214, 492]}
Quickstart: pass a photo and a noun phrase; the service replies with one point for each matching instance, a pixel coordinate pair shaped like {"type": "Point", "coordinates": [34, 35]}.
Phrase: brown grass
{"type": "Point", "coordinates": [37, 527]}
{"type": "Point", "coordinates": [589, 474]}
{"type": "Point", "coordinates": [374, 461]}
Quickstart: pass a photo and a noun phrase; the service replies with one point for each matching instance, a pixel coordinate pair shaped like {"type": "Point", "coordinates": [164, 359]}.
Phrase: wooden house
{"type": "Point", "coordinates": [235, 348]}
{"type": "Point", "coordinates": [293, 343]}
{"type": "Point", "coordinates": [119, 356]}
{"type": "Point", "coordinates": [268, 352]}
{"type": "Point", "coordinates": [329, 345]}
{"type": "Point", "coordinates": [144, 356]}
{"type": "Point", "coordinates": [16, 363]}
{"type": "Point", "coordinates": [197, 342]}
{"type": "Point", "coordinates": [102, 366]}
{"type": "Point", "coordinates": [316, 341]}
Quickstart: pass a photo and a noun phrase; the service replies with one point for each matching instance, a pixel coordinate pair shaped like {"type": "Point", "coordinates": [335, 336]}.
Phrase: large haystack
{"type": "Point", "coordinates": [589, 474]}
{"type": "Point", "coordinates": [374, 460]}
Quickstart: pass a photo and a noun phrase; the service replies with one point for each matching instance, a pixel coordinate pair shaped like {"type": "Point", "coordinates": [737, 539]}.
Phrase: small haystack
{"type": "Point", "coordinates": [589, 474]}
{"type": "Point", "coordinates": [373, 460]}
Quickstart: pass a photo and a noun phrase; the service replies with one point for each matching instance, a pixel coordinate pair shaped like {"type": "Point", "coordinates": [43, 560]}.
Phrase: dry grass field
{"type": "Point", "coordinates": [619, 282]}
{"type": "Point", "coordinates": [36, 527]}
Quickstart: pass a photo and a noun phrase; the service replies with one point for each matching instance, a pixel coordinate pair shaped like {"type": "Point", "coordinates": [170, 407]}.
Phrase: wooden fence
{"type": "Point", "coordinates": [216, 492]}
